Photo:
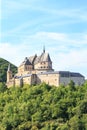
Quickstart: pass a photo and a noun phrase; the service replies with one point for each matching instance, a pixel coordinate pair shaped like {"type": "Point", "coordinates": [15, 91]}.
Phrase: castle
{"type": "Point", "coordinates": [37, 69]}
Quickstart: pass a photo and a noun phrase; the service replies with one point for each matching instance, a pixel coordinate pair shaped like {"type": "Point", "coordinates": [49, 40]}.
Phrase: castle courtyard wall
{"type": "Point", "coordinates": [51, 79]}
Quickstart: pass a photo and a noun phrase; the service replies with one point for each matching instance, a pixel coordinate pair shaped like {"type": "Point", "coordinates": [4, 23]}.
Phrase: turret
{"type": "Point", "coordinates": [9, 74]}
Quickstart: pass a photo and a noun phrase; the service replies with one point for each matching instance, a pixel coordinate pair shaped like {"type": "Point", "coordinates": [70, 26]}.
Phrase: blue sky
{"type": "Point", "coordinates": [61, 25]}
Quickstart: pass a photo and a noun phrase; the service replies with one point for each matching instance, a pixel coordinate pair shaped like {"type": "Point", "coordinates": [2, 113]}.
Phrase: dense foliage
{"type": "Point", "coordinates": [3, 69]}
{"type": "Point", "coordinates": [43, 107]}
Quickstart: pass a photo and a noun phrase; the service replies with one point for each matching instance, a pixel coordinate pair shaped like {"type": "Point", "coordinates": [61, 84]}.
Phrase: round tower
{"type": "Point", "coordinates": [9, 74]}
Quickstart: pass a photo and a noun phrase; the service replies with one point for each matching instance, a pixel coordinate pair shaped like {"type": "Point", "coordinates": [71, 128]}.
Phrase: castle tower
{"type": "Point", "coordinates": [9, 74]}
{"type": "Point", "coordinates": [43, 62]}
{"type": "Point", "coordinates": [25, 67]}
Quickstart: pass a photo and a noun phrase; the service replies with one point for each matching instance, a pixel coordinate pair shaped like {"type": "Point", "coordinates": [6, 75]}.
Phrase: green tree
{"type": "Point", "coordinates": [72, 85]}
{"type": "Point", "coordinates": [2, 87]}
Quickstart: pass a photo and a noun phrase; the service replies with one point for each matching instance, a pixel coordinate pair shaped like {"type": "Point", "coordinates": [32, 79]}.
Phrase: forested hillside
{"type": "Point", "coordinates": [43, 107]}
{"type": "Point", "coordinates": [3, 69]}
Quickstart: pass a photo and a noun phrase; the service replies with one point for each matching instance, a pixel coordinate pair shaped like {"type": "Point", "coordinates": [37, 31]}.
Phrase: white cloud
{"type": "Point", "coordinates": [61, 39]}
{"type": "Point", "coordinates": [66, 51]}
{"type": "Point", "coordinates": [14, 53]}
{"type": "Point", "coordinates": [72, 61]}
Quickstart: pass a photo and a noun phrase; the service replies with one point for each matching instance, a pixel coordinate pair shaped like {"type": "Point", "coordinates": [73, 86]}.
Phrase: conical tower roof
{"type": "Point", "coordinates": [45, 57]}
{"type": "Point", "coordinates": [9, 67]}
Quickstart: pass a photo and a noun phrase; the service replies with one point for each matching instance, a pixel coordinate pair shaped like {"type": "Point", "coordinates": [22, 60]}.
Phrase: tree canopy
{"type": "Point", "coordinates": [43, 107]}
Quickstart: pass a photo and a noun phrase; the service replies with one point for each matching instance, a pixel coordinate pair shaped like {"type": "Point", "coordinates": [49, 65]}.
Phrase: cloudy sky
{"type": "Point", "coordinates": [59, 25]}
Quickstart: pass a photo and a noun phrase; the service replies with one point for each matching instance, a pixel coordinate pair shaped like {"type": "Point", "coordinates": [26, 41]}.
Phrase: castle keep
{"type": "Point", "coordinates": [37, 69]}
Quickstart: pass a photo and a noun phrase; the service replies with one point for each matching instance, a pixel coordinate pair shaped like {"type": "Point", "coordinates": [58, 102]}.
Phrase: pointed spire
{"type": "Point", "coordinates": [43, 49]}
{"type": "Point", "coordinates": [9, 67]}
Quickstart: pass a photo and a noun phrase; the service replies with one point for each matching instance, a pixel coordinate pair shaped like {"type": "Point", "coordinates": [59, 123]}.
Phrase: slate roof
{"type": "Point", "coordinates": [45, 57]}
{"type": "Point", "coordinates": [26, 62]}
{"type": "Point", "coordinates": [37, 59]}
{"type": "Point", "coordinates": [63, 73]}
{"type": "Point", "coordinates": [22, 76]}
{"type": "Point", "coordinates": [70, 74]}
{"type": "Point", "coordinates": [32, 58]}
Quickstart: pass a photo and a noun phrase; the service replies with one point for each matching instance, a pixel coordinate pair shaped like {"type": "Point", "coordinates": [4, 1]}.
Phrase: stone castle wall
{"type": "Point", "coordinates": [51, 79]}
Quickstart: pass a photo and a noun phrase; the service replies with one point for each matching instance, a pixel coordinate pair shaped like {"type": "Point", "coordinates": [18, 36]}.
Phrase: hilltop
{"type": "Point", "coordinates": [3, 69]}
